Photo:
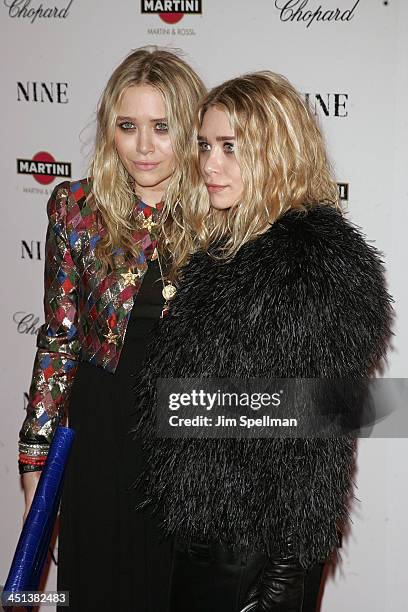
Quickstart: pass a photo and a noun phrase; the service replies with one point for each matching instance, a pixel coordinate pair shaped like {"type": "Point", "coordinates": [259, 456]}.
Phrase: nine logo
{"type": "Point", "coordinates": [31, 249]}
{"type": "Point", "coordinates": [38, 91]}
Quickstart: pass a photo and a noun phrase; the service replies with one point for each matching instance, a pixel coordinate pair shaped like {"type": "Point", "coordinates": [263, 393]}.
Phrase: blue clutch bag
{"type": "Point", "coordinates": [32, 547]}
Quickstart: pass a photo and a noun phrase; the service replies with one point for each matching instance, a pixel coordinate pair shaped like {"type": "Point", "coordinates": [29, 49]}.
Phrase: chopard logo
{"type": "Point", "coordinates": [24, 10]}
{"type": "Point", "coordinates": [27, 322]}
{"type": "Point", "coordinates": [298, 10]}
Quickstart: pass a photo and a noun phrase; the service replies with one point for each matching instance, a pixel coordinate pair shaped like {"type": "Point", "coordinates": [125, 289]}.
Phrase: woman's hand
{"type": "Point", "coordinates": [30, 480]}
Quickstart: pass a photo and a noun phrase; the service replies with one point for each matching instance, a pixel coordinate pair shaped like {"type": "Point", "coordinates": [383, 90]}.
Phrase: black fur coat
{"type": "Point", "coordinates": [305, 299]}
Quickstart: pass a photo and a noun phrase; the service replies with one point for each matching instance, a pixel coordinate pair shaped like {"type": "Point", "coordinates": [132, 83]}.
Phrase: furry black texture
{"type": "Point", "coordinates": [305, 299]}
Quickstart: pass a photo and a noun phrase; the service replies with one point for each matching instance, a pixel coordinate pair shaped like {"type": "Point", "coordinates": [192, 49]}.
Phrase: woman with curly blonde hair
{"type": "Point", "coordinates": [103, 294]}
{"type": "Point", "coordinates": [273, 283]}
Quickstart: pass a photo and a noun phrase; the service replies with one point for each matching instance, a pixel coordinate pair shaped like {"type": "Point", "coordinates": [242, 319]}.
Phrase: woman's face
{"type": "Point", "coordinates": [142, 138]}
{"type": "Point", "coordinates": [218, 165]}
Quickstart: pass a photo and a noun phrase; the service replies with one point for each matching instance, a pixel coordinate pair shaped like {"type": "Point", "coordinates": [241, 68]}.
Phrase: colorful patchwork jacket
{"type": "Point", "coordinates": [86, 311]}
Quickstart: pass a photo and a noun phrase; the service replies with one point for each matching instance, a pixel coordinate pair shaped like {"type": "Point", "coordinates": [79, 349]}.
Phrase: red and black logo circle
{"type": "Point", "coordinates": [171, 17]}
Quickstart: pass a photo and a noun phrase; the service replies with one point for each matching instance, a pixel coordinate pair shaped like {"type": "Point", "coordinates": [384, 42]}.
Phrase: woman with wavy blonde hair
{"type": "Point", "coordinates": [273, 283]}
{"type": "Point", "coordinates": [103, 294]}
{"type": "Point", "coordinates": [284, 165]}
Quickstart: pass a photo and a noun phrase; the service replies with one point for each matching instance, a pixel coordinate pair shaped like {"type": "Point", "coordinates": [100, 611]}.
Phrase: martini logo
{"type": "Point", "coordinates": [44, 168]}
{"type": "Point", "coordinates": [171, 11]}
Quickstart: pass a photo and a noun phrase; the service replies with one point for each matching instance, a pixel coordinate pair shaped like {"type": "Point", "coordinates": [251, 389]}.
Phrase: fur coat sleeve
{"type": "Point", "coordinates": [305, 299]}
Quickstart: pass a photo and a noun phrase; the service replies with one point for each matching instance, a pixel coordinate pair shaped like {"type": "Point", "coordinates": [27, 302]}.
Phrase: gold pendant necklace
{"type": "Point", "coordinates": [169, 290]}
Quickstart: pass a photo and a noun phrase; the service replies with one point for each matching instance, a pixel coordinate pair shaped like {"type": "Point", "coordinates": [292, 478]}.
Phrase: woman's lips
{"type": "Point", "coordinates": [215, 188]}
{"type": "Point", "coordinates": [145, 165]}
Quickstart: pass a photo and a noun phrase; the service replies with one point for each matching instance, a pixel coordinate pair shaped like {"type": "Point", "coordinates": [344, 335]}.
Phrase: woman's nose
{"type": "Point", "coordinates": [145, 143]}
{"type": "Point", "coordinates": [212, 163]}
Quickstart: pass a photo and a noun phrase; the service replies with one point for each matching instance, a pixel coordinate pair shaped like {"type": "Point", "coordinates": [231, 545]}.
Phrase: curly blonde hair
{"type": "Point", "coordinates": [112, 187]}
{"type": "Point", "coordinates": [283, 162]}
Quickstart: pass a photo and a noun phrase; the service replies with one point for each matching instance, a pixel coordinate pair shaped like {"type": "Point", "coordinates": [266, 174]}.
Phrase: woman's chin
{"type": "Point", "coordinates": [219, 204]}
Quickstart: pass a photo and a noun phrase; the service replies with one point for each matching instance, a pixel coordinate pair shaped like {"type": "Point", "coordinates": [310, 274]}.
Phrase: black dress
{"type": "Point", "coordinates": [110, 556]}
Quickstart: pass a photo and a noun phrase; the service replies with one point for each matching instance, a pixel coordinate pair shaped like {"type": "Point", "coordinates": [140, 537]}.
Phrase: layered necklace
{"type": "Point", "coordinates": [169, 290]}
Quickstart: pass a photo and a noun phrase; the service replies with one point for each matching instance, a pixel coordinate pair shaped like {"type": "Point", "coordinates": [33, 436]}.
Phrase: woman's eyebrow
{"type": "Point", "coordinates": [218, 138]}
{"type": "Point", "coordinates": [127, 118]}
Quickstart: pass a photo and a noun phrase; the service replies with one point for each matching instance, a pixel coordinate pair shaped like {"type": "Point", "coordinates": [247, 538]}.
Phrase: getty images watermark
{"type": "Point", "coordinates": [219, 400]}
{"type": "Point", "coordinates": [289, 407]}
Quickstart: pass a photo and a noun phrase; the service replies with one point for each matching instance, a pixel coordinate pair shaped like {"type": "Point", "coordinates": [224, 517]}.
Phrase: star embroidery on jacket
{"type": "Point", "coordinates": [149, 224]}
{"type": "Point", "coordinates": [111, 337]}
{"type": "Point", "coordinates": [130, 277]}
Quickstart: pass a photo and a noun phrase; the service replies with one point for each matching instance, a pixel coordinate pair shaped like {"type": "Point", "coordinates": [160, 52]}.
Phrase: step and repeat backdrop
{"type": "Point", "coordinates": [349, 60]}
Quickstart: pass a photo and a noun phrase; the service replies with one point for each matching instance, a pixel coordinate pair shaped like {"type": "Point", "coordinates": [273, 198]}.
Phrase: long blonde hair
{"type": "Point", "coordinates": [112, 187]}
{"type": "Point", "coordinates": [283, 162]}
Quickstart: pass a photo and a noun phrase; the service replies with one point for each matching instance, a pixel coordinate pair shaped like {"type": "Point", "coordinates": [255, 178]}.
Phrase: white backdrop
{"type": "Point", "coordinates": [354, 70]}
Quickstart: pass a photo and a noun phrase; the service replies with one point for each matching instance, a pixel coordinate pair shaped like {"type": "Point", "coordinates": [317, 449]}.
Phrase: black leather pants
{"type": "Point", "coordinates": [209, 578]}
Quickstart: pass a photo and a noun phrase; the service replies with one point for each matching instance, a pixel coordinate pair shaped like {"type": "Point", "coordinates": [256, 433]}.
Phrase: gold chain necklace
{"type": "Point", "coordinates": [169, 290]}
